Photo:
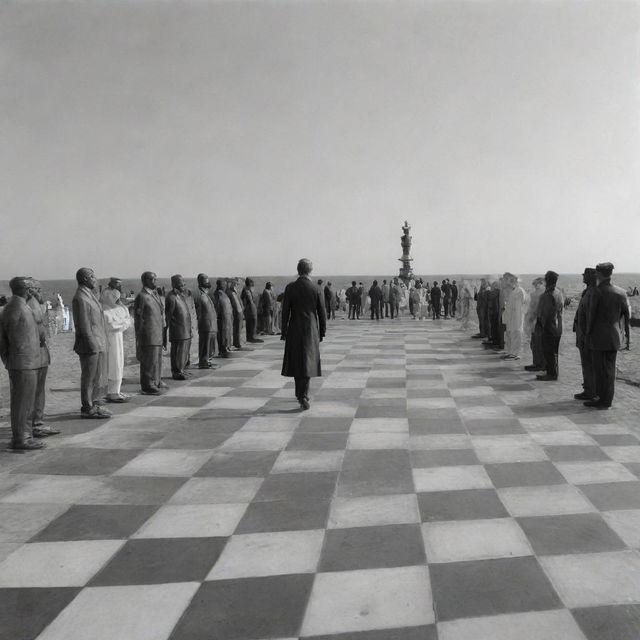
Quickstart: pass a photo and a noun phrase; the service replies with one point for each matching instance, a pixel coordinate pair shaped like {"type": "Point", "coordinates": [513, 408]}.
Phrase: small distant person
{"type": "Point", "coordinates": [580, 329]}
{"type": "Point", "coordinates": [549, 319]}
{"type": "Point", "coordinates": [330, 301]}
{"type": "Point", "coordinates": [607, 319]}
{"type": "Point", "coordinates": [238, 314]}
{"type": "Point", "coordinates": [454, 298]}
{"type": "Point", "coordinates": [250, 311]}
{"type": "Point", "coordinates": [635, 291]}
{"type": "Point", "coordinates": [268, 300]}
{"type": "Point", "coordinates": [446, 297]}
{"type": "Point", "coordinates": [327, 299]}
{"type": "Point", "coordinates": [395, 294]}
{"type": "Point", "coordinates": [436, 296]}
{"type": "Point", "coordinates": [481, 310]}
{"type": "Point", "coordinates": [303, 328]}
{"type": "Point", "coordinates": [466, 296]}
{"type": "Point", "coordinates": [90, 344]}
{"type": "Point", "coordinates": [20, 351]}
{"type": "Point", "coordinates": [494, 313]}
{"type": "Point", "coordinates": [352, 299]}
{"type": "Point", "coordinates": [386, 289]}
{"type": "Point", "coordinates": [533, 329]}
{"type": "Point", "coordinates": [514, 317]}
{"type": "Point", "coordinates": [362, 299]}
{"type": "Point", "coordinates": [117, 320]}
{"type": "Point", "coordinates": [207, 323]}
{"type": "Point", "coordinates": [177, 328]}
{"type": "Point", "coordinates": [225, 320]}
{"type": "Point", "coordinates": [149, 322]}
{"type": "Point", "coordinates": [375, 294]}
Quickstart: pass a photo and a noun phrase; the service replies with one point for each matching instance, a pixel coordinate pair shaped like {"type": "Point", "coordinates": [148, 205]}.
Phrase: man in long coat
{"type": "Point", "coordinates": [178, 327]}
{"type": "Point", "coordinates": [304, 324]}
{"type": "Point", "coordinates": [207, 323]}
{"type": "Point", "coordinates": [550, 308]}
{"type": "Point", "coordinates": [375, 294]}
{"type": "Point", "coordinates": [238, 314]}
{"type": "Point", "coordinates": [580, 329]}
{"type": "Point", "coordinates": [225, 320]}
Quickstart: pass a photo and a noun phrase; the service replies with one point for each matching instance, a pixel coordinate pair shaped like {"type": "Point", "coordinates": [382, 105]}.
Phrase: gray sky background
{"type": "Point", "coordinates": [236, 137]}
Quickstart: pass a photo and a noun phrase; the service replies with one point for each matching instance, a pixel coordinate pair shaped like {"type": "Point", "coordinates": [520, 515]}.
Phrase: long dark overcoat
{"type": "Point", "coordinates": [304, 323]}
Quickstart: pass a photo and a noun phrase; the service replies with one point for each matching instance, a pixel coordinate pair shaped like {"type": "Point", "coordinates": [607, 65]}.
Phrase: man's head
{"type": "Point", "coordinates": [21, 286]}
{"type": "Point", "coordinates": [35, 289]}
{"type": "Point", "coordinates": [116, 284]}
{"type": "Point", "coordinates": [384, 282]}
{"type": "Point", "coordinates": [603, 271]}
{"type": "Point", "coordinates": [148, 279]}
{"type": "Point", "coordinates": [328, 284]}
{"type": "Point", "coordinates": [483, 282]}
{"type": "Point", "coordinates": [589, 276]}
{"type": "Point", "coordinates": [550, 278]}
{"type": "Point", "coordinates": [395, 281]}
{"type": "Point", "coordinates": [304, 267]}
{"type": "Point", "coordinates": [320, 281]}
{"type": "Point", "coordinates": [435, 283]}
{"type": "Point", "coordinates": [248, 282]}
{"type": "Point", "coordinates": [86, 277]}
{"type": "Point", "coordinates": [375, 283]}
{"type": "Point", "coordinates": [454, 282]}
{"type": "Point", "coordinates": [219, 284]}
{"type": "Point", "coordinates": [353, 283]}
{"type": "Point", "coordinates": [177, 283]}
{"type": "Point", "coordinates": [268, 285]}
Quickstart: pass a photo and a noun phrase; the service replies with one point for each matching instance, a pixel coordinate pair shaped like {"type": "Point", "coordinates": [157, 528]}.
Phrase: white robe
{"type": "Point", "coordinates": [118, 321]}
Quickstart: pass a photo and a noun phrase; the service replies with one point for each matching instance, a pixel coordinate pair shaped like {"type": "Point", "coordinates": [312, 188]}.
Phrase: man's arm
{"type": "Point", "coordinates": [82, 323]}
{"type": "Point", "coordinates": [626, 316]}
{"type": "Point", "coordinates": [286, 315]}
{"type": "Point", "coordinates": [169, 308]}
{"type": "Point", "coordinates": [322, 316]}
{"type": "Point", "coordinates": [4, 343]}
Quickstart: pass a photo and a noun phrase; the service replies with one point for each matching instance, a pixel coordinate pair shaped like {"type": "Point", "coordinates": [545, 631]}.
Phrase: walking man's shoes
{"type": "Point", "coordinates": [584, 396]}
{"type": "Point", "coordinates": [532, 367]}
{"type": "Point", "coordinates": [304, 404]}
{"type": "Point", "coordinates": [546, 378]}
{"type": "Point", "coordinates": [151, 391]}
{"type": "Point", "coordinates": [27, 445]}
{"type": "Point", "coordinates": [44, 431]}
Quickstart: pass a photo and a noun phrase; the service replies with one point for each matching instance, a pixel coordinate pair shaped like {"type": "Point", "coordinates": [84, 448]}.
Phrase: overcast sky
{"type": "Point", "coordinates": [236, 137]}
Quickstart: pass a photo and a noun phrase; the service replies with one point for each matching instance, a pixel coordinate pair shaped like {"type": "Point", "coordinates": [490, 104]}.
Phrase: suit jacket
{"type": "Point", "coordinates": [206, 313]}
{"type": "Point", "coordinates": [375, 293]}
{"type": "Point", "coordinates": [249, 302]}
{"type": "Point", "coordinates": [268, 300]}
{"type": "Point", "coordinates": [580, 319]}
{"type": "Point", "coordinates": [148, 314]}
{"type": "Point", "coordinates": [352, 295]}
{"type": "Point", "coordinates": [550, 308]}
{"type": "Point", "coordinates": [19, 336]}
{"type": "Point", "coordinates": [88, 319]}
{"type": "Point", "coordinates": [236, 303]}
{"type": "Point", "coordinates": [223, 306]}
{"type": "Point", "coordinates": [178, 316]}
{"type": "Point", "coordinates": [435, 294]}
{"type": "Point", "coordinates": [43, 331]}
{"type": "Point", "coordinates": [607, 317]}
{"type": "Point", "coordinates": [304, 323]}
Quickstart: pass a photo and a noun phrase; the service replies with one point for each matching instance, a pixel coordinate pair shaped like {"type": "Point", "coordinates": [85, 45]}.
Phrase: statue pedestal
{"type": "Point", "coordinates": [406, 272]}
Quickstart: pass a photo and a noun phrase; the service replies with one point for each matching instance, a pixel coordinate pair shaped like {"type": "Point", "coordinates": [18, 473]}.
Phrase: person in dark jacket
{"type": "Point", "coordinates": [580, 329]}
{"type": "Point", "coordinates": [304, 324]}
{"type": "Point", "coordinates": [549, 319]}
{"type": "Point", "coordinates": [352, 299]}
{"type": "Point", "coordinates": [238, 314]}
{"type": "Point", "coordinates": [454, 298]}
{"type": "Point", "coordinates": [207, 323]}
{"type": "Point", "coordinates": [250, 311]}
{"type": "Point", "coordinates": [268, 305]}
{"type": "Point", "coordinates": [607, 319]}
{"type": "Point", "coordinates": [177, 328]}
{"type": "Point", "coordinates": [435, 295]}
{"type": "Point", "coordinates": [225, 320]}
{"type": "Point", "coordinates": [481, 309]}
{"type": "Point", "coordinates": [375, 294]}
{"type": "Point", "coordinates": [394, 298]}
{"type": "Point", "coordinates": [446, 297]}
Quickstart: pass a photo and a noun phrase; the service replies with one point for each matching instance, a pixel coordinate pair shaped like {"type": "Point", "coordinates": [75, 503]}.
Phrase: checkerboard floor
{"type": "Point", "coordinates": [430, 492]}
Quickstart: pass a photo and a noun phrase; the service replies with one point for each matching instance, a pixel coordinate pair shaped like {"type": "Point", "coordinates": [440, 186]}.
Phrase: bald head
{"type": "Point", "coordinates": [20, 286]}
{"type": "Point", "coordinates": [86, 277]}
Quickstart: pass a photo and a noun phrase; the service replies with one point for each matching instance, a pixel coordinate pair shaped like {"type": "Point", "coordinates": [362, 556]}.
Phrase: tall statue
{"type": "Point", "coordinates": [406, 272]}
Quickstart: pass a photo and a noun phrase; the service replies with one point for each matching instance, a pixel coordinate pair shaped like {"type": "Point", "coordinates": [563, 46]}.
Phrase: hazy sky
{"type": "Point", "coordinates": [235, 137]}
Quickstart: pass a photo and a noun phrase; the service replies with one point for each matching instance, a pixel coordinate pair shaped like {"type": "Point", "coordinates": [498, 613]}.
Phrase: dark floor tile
{"type": "Point", "coordinates": [217, 382]}
{"type": "Point", "coordinates": [512, 387]}
{"type": "Point", "coordinates": [613, 495]}
{"type": "Point", "coordinates": [524, 474]}
{"type": "Point", "coordinates": [434, 415]}
{"type": "Point", "coordinates": [428, 393]}
{"type": "Point", "coordinates": [238, 464]}
{"type": "Point", "coordinates": [386, 383]}
{"type": "Point", "coordinates": [227, 425]}
{"type": "Point", "coordinates": [469, 504]}
{"type": "Point", "coordinates": [133, 490]}
{"type": "Point", "coordinates": [381, 412]}
{"type": "Point", "coordinates": [96, 522]}
{"type": "Point", "coordinates": [24, 613]}
{"type": "Point", "coordinates": [83, 462]}
{"type": "Point", "coordinates": [198, 436]}
{"type": "Point", "coordinates": [182, 401]}
{"type": "Point", "coordinates": [494, 426]}
{"type": "Point", "coordinates": [161, 560]}
{"type": "Point", "coordinates": [574, 533]}
{"type": "Point", "coordinates": [225, 372]}
{"type": "Point", "coordinates": [423, 459]}
{"type": "Point", "coordinates": [367, 473]}
{"type": "Point", "coordinates": [634, 467]}
{"type": "Point", "coordinates": [589, 417]}
{"type": "Point", "coordinates": [491, 587]}
{"type": "Point", "coordinates": [372, 547]}
{"type": "Point", "coordinates": [616, 440]}
{"type": "Point", "coordinates": [246, 609]}
{"type": "Point", "coordinates": [575, 453]}
{"type": "Point", "coordinates": [318, 441]}
{"type": "Point", "coordinates": [427, 425]}
{"type": "Point", "coordinates": [297, 486]}
{"type": "Point", "coordinates": [615, 622]}
{"type": "Point", "coordinates": [408, 633]}
{"type": "Point", "coordinates": [479, 401]}
{"type": "Point", "coordinates": [249, 392]}
{"type": "Point", "coordinates": [284, 515]}
{"type": "Point", "coordinates": [338, 394]}
{"type": "Point", "coordinates": [324, 425]}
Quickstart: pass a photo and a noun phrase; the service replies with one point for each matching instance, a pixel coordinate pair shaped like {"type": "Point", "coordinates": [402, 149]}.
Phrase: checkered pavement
{"type": "Point", "coordinates": [430, 492]}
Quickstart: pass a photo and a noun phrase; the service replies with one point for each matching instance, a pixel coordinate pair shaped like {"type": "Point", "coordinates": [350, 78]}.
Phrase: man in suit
{"type": "Point", "coordinates": [435, 295]}
{"type": "Point", "coordinates": [454, 298]}
{"type": "Point", "coordinates": [207, 323]}
{"type": "Point", "coordinates": [225, 320]}
{"type": "Point", "coordinates": [549, 319]}
{"type": "Point", "coordinates": [446, 297]}
{"type": "Point", "coordinates": [362, 299]}
{"type": "Point", "coordinates": [20, 344]}
{"type": "Point", "coordinates": [90, 344]}
{"type": "Point", "coordinates": [177, 327]}
{"type": "Point", "coordinates": [352, 299]}
{"type": "Point", "coordinates": [607, 317]}
{"type": "Point", "coordinates": [384, 310]}
{"type": "Point", "coordinates": [148, 313]}
{"type": "Point", "coordinates": [481, 310]}
{"type": "Point", "coordinates": [394, 298]}
{"type": "Point", "coordinates": [250, 311]}
{"type": "Point", "coordinates": [580, 329]}
{"type": "Point", "coordinates": [304, 324]}
{"type": "Point", "coordinates": [36, 303]}
{"type": "Point", "coordinates": [375, 294]}
{"type": "Point", "coordinates": [238, 314]}
{"type": "Point", "coordinates": [268, 302]}
{"type": "Point", "coordinates": [327, 299]}
{"type": "Point", "coordinates": [531, 324]}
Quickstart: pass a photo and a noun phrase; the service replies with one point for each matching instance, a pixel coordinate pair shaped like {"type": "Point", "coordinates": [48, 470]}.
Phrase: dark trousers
{"type": "Point", "coordinates": [327, 306]}
{"type": "Point", "coordinates": [38, 405]}
{"type": "Point", "coordinates": [604, 367]}
{"type": "Point", "coordinates": [482, 324]}
{"type": "Point", "coordinates": [354, 310]}
{"type": "Point", "coordinates": [536, 348]}
{"type": "Point", "coordinates": [446, 307]}
{"type": "Point", "coordinates": [435, 309]}
{"type": "Point", "coordinates": [91, 377]}
{"type": "Point", "coordinates": [237, 330]}
{"type": "Point", "coordinates": [502, 329]}
{"type": "Point", "coordinates": [588, 374]}
{"type": "Point", "coordinates": [150, 367]}
{"type": "Point", "coordinates": [494, 329]}
{"type": "Point", "coordinates": [395, 308]}
{"type": "Point", "coordinates": [453, 307]}
{"type": "Point", "coordinates": [302, 388]}
{"type": "Point", "coordinates": [550, 346]}
{"type": "Point", "coordinates": [22, 384]}
{"type": "Point", "coordinates": [250, 320]}
{"type": "Point", "coordinates": [375, 310]}
{"type": "Point", "coordinates": [179, 355]}
{"type": "Point", "coordinates": [206, 346]}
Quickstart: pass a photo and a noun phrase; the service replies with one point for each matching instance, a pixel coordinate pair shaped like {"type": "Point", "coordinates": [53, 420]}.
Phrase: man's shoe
{"type": "Point", "coordinates": [205, 366]}
{"type": "Point", "coordinates": [152, 391]}
{"type": "Point", "coordinates": [477, 336]}
{"type": "Point", "coordinates": [44, 431]}
{"type": "Point", "coordinates": [179, 376]}
{"type": "Point", "coordinates": [546, 378]}
{"type": "Point", "coordinates": [596, 404]}
{"type": "Point", "coordinates": [304, 404]}
{"type": "Point", "coordinates": [118, 398]}
{"type": "Point", "coordinates": [102, 412]}
{"type": "Point", "coordinates": [95, 414]}
{"type": "Point", "coordinates": [27, 445]}
{"type": "Point", "coordinates": [37, 423]}
{"type": "Point", "coordinates": [162, 385]}
{"type": "Point", "coordinates": [532, 367]}
{"type": "Point", "coordinates": [584, 396]}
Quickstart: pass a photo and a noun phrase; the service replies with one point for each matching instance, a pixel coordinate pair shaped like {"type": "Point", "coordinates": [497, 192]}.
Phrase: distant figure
{"type": "Point", "coordinates": [326, 292]}
{"type": "Point", "coordinates": [207, 323]}
{"type": "Point", "coordinates": [238, 314]}
{"type": "Point", "coordinates": [303, 328]}
{"type": "Point", "coordinates": [117, 320]}
{"type": "Point", "coordinates": [446, 297]}
{"type": "Point", "coordinates": [607, 318]}
{"type": "Point", "coordinates": [225, 320]}
{"type": "Point", "coordinates": [513, 316]}
{"type": "Point", "coordinates": [580, 329]}
{"type": "Point", "coordinates": [494, 313]}
{"type": "Point", "coordinates": [148, 316]}
{"type": "Point", "coordinates": [250, 311]}
{"type": "Point", "coordinates": [454, 298]}
{"type": "Point", "coordinates": [362, 300]}
{"type": "Point", "coordinates": [90, 344]}
{"type": "Point", "coordinates": [533, 328]}
{"type": "Point", "coordinates": [549, 319]}
{"type": "Point", "coordinates": [177, 328]}
{"type": "Point", "coordinates": [20, 350]}
{"type": "Point", "coordinates": [268, 301]}
{"type": "Point", "coordinates": [466, 296]}
{"type": "Point", "coordinates": [436, 295]}
{"type": "Point", "coordinates": [330, 301]}
{"type": "Point", "coordinates": [395, 294]}
{"type": "Point", "coordinates": [635, 291]}
{"type": "Point", "coordinates": [375, 294]}
{"type": "Point", "coordinates": [481, 310]}
{"type": "Point", "coordinates": [352, 299]}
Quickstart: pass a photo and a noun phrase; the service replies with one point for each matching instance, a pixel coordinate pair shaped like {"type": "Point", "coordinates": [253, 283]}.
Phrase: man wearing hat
{"type": "Point", "coordinates": [580, 329]}
{"type": "Point", "coordinates": [608, 310]}
{"type": "Point", "coordinates": [549, 319]}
